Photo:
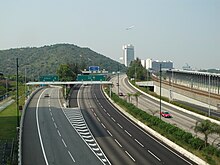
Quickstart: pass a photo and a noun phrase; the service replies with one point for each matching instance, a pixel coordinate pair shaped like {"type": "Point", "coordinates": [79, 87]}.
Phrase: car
{"type": "Point", "coordinates": [166, 114]}
{"type": "Point", "coordinates": [46, 95]}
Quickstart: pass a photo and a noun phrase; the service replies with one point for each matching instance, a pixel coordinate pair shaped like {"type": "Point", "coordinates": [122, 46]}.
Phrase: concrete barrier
{"type": "Point", "coordinates": [21, 125]}
{"type": "Point", "coordinates": [178, 108]}
{"type": "Point", "coordinates": [159, 136]}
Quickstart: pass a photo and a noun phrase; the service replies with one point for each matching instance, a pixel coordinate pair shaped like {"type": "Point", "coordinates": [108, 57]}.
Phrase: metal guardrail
{"type": "Point", "coordinates": [21, 125]}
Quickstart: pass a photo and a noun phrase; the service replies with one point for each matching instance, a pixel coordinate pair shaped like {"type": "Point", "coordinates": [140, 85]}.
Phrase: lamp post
{"type": "Point", "coordinates": [160, 90]}
{"type": "Point", "coordinates": [209, 95]}
{"type": "Point", "coordinates": [118, 79]}
{"type": "Point", "coordinates": [6, 86]}
{"type": "Point", "coordinates": [25, 81]}
{"type": "Point", "coordinates": [17, 103]}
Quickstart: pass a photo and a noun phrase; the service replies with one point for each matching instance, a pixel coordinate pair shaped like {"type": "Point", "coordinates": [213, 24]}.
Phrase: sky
{"type": "Point", "coordinates": [183, 31]}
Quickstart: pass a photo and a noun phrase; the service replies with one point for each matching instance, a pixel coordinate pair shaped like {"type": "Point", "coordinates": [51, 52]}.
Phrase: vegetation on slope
{"type": "Point", "coordinates": [45, 60]}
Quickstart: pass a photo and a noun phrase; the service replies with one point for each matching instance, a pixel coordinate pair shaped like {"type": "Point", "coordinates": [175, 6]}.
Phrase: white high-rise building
{"type": "Point", "coordinates": [148, 63]}
{"type": "Point", "coordinates": [143, 63]}
{"type": "Point", "coordinates": [128, 54]}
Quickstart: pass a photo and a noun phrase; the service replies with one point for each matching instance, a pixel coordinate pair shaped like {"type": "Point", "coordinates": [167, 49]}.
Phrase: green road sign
{"type": "Point", "coordinates": [49, 78]}
{"type": "Point", "coordinates": [94, 77]}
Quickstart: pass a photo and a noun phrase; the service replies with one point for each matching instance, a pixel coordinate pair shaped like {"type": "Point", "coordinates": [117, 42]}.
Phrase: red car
{"type": "Point", "coordinates": [166, 114]}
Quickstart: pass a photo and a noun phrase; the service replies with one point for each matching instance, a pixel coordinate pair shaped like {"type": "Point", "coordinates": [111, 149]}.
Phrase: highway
{"type": "Point", "coordinates": [180, 119]}
{"type": "Point", "coordinates": [121, 140]}
{"type": "Point", "coordinates": [51, 134]}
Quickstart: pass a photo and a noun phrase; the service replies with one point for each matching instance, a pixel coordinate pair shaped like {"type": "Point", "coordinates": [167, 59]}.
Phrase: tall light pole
{"type": "Point", "coordinates": [209, 95]}
{"type": "Point", "coordinates": [25, 81]}
{"type": "Point", "coordinates": [17, 103]}
{"type": "Point", "coordinates": [6, 85]}
{"type": "Point", "coordinates": [160, 89]}
{"type": "Point", "coordinates": [118, 79]}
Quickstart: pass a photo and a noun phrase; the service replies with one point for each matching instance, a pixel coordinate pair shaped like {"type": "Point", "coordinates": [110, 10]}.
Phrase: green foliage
{"type": "Point", "coordinates": [205, 127]}
{"type": "Point", "coordinates": [46, 60]}
{"type": "Point", "coordinates": [65, 73]}
{"type": "Point", "coordinates": [137, 71]}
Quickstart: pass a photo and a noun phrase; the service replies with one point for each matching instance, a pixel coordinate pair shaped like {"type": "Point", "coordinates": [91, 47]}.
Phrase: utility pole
{"type": "Point", "coordinates": [209, 94]}
{"type": "Point", "coordinates": [160, 89]}
{"type": "Point", "coordinates": [118, 79]}
{"type": "Point", "coordinates": [25, 81]}
{"type": "Point", "coordinates": [17, 99]}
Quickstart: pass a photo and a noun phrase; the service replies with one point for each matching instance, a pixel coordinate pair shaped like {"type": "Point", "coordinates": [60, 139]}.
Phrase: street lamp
{"type": "Point", "coordinates": [160, 90]}
{"type": "Point", "coordinates": [118, 82]}
{"type": "Point", "coordinates": [118, 79]}
{"type": "Point", "coordinates": [6, 86]}
{"type": "Point", "coordinates": [17, 103]}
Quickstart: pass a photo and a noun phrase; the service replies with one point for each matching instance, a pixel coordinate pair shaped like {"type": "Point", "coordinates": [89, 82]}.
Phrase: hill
{"type": "Point", "coordinates": [45, 60]}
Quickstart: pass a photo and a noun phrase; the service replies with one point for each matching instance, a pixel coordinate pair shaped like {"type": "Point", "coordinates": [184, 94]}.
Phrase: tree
{"type": "Point", "coordinates": [65, 73]}
{"type": "Point", "coordinates": [205, 127]}
{"type": "Point", "coordinates": [216, 128]}
{"type": "Point", "coordinates": [136, 95]}
{"type": "Point", "coordinates": [137, 71]}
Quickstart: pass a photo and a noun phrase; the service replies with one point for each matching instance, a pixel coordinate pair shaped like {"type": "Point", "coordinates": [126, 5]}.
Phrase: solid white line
{"type": "Point", "coordinates": [38, 129]}
{"type": "Point", "coordinates": [109, 132]}
{"type": "Point", "coordinates": [55, 125]}
{"type": "Point", "coordinates": [103, 125]}
{"type": "Point", "coordinates": [130, 156]}
{"type": "Point", "coordinates": [139, 143]}
{"type": "Point", "coordinates": [119, 125]}
{"type": "Point", "coordinates": [71, 156]}
{"type": "Point", "coordinates": [118, 142]}
{"type": "Point", "coordinates": [64, 143]}
{"type": "Point", "coordinates": [128, 133]}
{"type": "Point", "coordinates": [154, 155]}
{"type": "Point", "coordinates": [59, 133]}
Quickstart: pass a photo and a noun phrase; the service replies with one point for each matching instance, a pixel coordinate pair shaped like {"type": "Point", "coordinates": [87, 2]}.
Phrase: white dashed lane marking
{"type": "Point", "coordinates": [128, 133]}
{"type": "Point", "coordinates": [153, 155]}
{"type": "Point", "coordinates": [58, 133]}
{"type": "Point", "coordinates": [64, 143]}
{"type": "Point", "coordinates": [139, 143]}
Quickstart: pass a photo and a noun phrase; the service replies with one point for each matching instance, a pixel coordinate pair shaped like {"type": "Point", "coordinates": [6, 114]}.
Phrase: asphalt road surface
{"type": "Point", "coordinates": [49, 138]}
{"type": "Point", "coordinates": [121, 140]}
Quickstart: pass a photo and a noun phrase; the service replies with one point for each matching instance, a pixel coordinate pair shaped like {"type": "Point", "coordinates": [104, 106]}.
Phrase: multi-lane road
{"type": "Point", "coordinates": [122, 141]}
{"type": "Point", "coordinates": [179, 118]}
{"type": "Point", "coordinates": [91, 131]}
{"type": "Point", "coordinates": [48, 136]}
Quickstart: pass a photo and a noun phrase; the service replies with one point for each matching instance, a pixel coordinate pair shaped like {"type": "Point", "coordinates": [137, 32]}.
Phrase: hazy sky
{"type": "Point", "coordinates": [183, 31]}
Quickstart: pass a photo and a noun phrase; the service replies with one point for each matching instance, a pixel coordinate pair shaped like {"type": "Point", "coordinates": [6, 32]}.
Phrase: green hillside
{"type": "Point", "coordinates": [45, 60]}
